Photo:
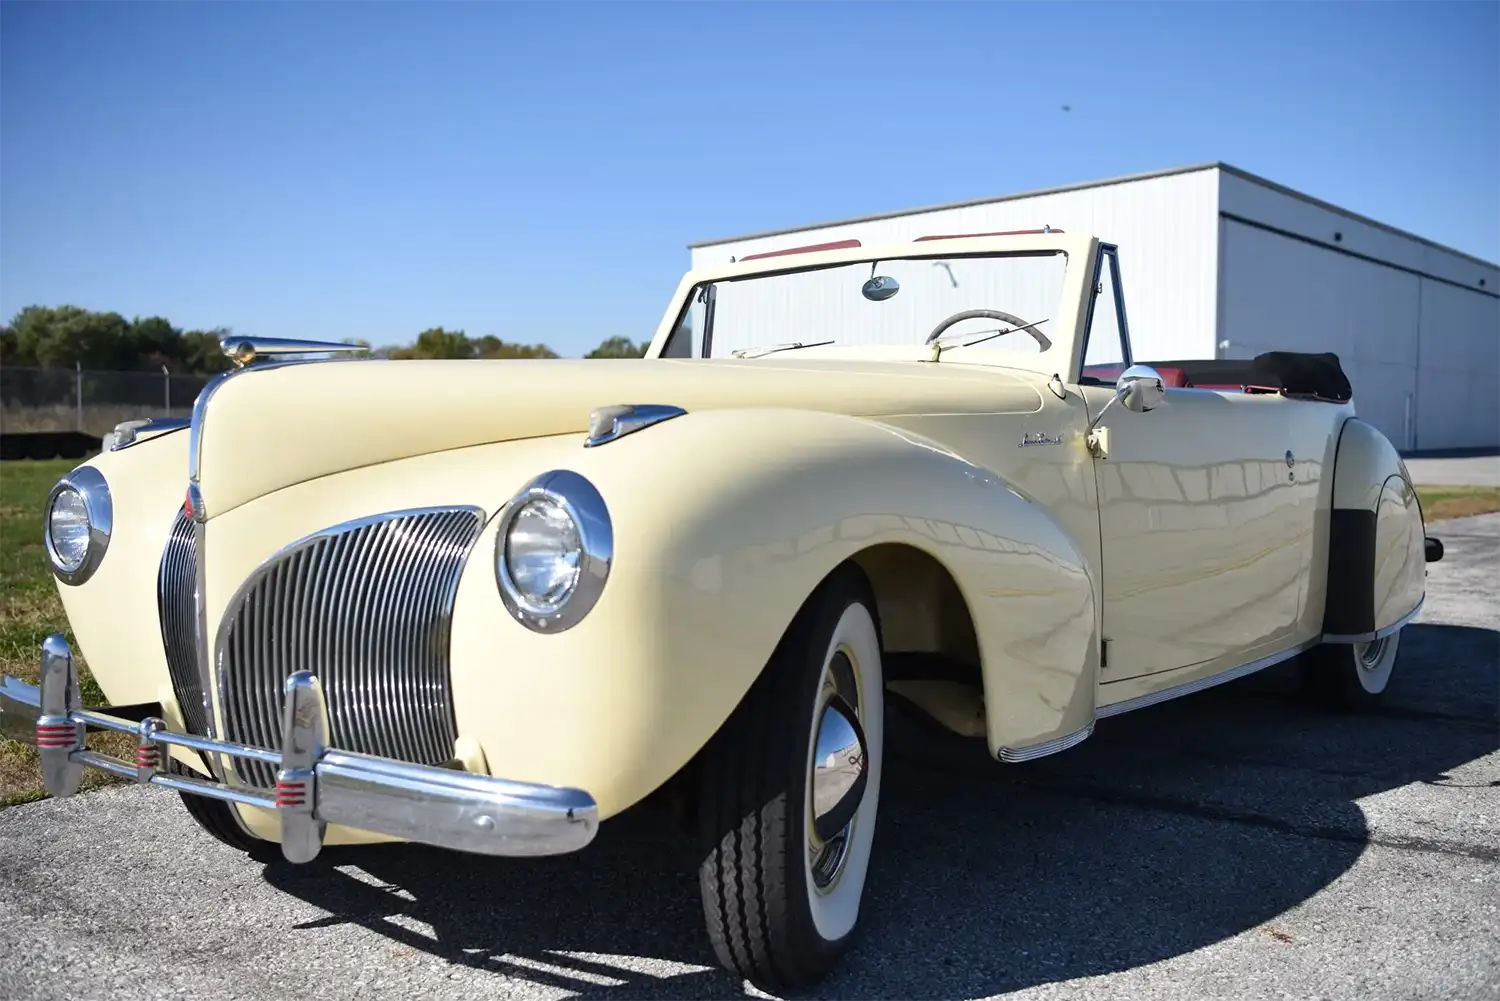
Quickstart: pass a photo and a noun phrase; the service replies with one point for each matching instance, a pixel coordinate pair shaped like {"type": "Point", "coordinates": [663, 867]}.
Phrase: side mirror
{"type": "Point", "coordinates": [1140, 389]}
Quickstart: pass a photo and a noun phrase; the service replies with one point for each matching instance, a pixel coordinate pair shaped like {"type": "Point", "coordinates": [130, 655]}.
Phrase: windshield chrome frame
{"type": "Point", "coordinates": [1062, 359]}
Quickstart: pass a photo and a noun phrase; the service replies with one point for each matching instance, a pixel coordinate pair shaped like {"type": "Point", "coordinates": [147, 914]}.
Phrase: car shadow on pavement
{"type": "Point", "coordinates": [1170, 829]}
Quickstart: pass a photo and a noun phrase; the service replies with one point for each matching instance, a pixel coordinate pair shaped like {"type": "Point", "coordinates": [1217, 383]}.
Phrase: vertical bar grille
{"type": "Point", "coordinates": [175, 609]}
{"type": "Point", "coordinates": [367, 607]}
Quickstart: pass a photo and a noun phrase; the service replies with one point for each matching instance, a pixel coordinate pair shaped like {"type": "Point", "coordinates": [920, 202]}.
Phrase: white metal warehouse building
{"type": "Point", "coordinates": [1219, 263]}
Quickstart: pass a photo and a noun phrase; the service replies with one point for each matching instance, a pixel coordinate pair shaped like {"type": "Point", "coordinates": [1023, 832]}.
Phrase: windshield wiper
{"type": "Point", "coordinates": [943, 343]}
{"type": "Point", "coordinates": [1005, 330]}
{"type": "Point", "coordinates": [761, 352]}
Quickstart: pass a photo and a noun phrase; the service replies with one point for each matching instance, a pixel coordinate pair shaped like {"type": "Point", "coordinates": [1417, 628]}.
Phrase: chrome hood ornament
{"type": "Point", "coordinates": [244, 350]}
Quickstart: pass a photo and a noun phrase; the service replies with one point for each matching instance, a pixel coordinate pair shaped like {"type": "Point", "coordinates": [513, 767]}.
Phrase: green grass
{"type": "Point", "coordinates": [29, 612]}
{"type": "Point", "coordinates": [1439, 503]}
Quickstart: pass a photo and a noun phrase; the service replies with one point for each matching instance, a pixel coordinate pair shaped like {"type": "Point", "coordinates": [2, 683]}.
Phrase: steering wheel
{"type": "Point", "coordinates": [988, 314]}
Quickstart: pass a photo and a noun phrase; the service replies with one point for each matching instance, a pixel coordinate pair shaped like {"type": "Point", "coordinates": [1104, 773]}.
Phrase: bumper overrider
{"type": "Point", "coordinates": [316, 785]}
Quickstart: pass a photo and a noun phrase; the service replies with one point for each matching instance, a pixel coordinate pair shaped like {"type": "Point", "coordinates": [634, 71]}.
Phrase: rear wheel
{"type": "Point", "coordinates": [1349, 676]}
{"type": "Point", "coordinates": [789, 792]}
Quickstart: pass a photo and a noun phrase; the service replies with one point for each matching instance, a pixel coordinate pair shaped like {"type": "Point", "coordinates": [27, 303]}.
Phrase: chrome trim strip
{"type": "Point", "coordinates": [427, 804]}
{"type": "Point", "coordinates": [1192, 687]}
{"type": "Point", "coordinates": [1379, 633]}
{"type": "Point", "coordinates": [607, 424]}
{"type": "Point", "coordinates": [91, 486]}
{"type": "Point", "coordinates": [195, 432]}
{"type": "Point", "coordinates": [199, 514]}
{"type": "Point", "coordinates": [1030, 752]}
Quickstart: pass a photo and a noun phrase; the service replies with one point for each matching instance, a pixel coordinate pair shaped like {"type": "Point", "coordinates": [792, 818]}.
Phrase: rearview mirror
{"type": "Point", "coordinates": [880, 288]}
{"type": "Point", "coordinates": [1140, 389]}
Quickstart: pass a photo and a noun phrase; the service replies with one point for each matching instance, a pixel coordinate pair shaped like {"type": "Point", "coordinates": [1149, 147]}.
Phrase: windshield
{"type": "Point", "coordinates": [904, 301]}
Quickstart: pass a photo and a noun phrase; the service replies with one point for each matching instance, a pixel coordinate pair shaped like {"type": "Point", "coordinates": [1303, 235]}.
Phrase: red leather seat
{"type": "Point", "coordinates": [1171, 378]}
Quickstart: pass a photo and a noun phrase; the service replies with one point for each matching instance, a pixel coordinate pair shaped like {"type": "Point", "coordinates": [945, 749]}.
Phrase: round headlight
{"type": "Point", "coordinates": [79, 520]}
{"type": "Point", "coordinates": [542, 553]}
{"type": "Point", "coordinates": [552, 551]}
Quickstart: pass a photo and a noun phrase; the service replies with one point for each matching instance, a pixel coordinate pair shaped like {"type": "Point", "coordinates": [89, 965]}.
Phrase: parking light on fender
{"type": "Point", "coordinates": [553, 551]}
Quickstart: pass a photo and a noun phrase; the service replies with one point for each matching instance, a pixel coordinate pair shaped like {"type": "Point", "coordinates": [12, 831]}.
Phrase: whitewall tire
{"type": "Point", "coordinates": [1350, 675]}
{"type": "Point", "coordinates": [789, 792]}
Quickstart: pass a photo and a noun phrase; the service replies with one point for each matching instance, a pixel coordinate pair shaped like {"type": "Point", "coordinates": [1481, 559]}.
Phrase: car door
{"type": "Point", "coordinates": [1206, 533]}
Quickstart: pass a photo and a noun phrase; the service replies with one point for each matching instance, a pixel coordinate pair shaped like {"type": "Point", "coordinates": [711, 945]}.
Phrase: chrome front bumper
{"type": "Point", "coordinates": [316, 785]}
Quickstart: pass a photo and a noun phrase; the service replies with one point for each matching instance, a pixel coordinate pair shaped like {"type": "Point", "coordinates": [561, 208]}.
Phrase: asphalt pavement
{"type": "Point", "coordinates": [1471, 470]}
{"type": "Point", "coordinates": [1234, 844]}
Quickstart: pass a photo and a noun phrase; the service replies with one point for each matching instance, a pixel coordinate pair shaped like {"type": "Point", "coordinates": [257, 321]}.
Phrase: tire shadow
{"type": "Point", "coordinates": [1170, 829]}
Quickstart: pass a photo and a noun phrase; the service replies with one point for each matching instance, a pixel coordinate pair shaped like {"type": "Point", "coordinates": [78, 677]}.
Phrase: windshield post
{"type": "Point", "coordinates": [708, 297]}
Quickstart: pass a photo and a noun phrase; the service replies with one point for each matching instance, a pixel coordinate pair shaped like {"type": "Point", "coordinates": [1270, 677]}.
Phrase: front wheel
{"type": "Point", "coordinates": [1349, 676]}
{"type": "Point", "coordinates": [788, 795]}
{"type": "Point", "coordinates": [217, 819]}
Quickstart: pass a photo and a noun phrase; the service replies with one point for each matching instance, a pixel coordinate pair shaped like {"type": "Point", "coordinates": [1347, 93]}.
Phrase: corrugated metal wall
{"type": "Point", "coordinates": [1458, 381]}
{"type": "Point", "coordinates": [1282, 295]}
{"type": "Point", "coordinates": [1417, 334]}
{"type": "Point", "coordinates": [1165, 227]}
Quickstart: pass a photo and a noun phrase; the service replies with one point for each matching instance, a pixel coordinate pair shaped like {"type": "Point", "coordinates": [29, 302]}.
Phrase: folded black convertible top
{"type": "Point", "coordinates": [1296, 373]}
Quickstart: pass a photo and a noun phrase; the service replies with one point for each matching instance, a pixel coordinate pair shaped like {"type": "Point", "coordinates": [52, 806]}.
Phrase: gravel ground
{"type": "Point", "coordinates": [1232, 844]}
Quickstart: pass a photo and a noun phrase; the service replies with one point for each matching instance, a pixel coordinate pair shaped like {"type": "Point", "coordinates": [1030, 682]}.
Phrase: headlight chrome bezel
{"type": "Point", "coordinates": [93, 489]}
{"type": "Point", "coordinates": [582, 502]}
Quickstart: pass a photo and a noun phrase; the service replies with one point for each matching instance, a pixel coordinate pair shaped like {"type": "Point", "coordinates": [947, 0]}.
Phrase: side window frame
{"type": "Point", "coordinates": [1107, 252]}
{"type": "Point", "coordinates": [706, 294]}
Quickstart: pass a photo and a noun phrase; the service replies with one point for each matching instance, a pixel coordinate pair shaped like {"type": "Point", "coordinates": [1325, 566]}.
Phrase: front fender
{"type": "Point", "coordinates": [1377, 572]}
{"type": "Point", "coordinates": [724, 522]}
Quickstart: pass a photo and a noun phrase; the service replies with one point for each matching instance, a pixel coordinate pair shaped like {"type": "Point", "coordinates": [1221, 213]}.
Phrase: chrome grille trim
{"type": "Point", "coordinates": [366, 606]}
{"type": "Point", "coordinates": [178, 614]}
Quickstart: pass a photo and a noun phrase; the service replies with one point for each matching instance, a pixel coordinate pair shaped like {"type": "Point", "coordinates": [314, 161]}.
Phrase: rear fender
{"type": "Point", "coordinates": [1377, 574]}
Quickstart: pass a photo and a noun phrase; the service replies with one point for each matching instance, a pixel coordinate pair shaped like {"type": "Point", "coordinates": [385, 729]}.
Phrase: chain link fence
{"type": "Point", "coordinates": [90, 400]}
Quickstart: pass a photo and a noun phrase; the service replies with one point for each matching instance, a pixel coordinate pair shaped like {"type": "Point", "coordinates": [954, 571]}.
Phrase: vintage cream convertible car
{"type": "Point", "coordinates": [486, 605]}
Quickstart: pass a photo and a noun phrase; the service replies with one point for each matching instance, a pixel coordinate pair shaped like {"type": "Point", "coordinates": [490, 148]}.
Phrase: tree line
{"type": "Point", "coordinates": [65, 336]}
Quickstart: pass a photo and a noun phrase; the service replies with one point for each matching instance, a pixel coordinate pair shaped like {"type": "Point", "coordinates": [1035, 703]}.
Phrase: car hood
{"type": "Point", "coordinates": [270, 428]}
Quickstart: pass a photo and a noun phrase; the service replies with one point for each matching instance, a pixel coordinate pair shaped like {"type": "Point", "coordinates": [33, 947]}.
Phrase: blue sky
{"type": "Point", "coordinates": [535, 171]}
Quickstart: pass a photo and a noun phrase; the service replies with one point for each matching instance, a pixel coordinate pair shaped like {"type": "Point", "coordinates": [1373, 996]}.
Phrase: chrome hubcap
{"type": "Point", "coordinates": [836, 783]}
{"type": "Point", "coordinates": [1368, 654]}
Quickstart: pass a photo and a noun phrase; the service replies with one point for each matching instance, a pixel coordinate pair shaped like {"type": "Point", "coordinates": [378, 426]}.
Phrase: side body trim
{"type": "Point", "coordinates": [1016, 755]}
{"type": "Point", "coordinates": [1201, 684]}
